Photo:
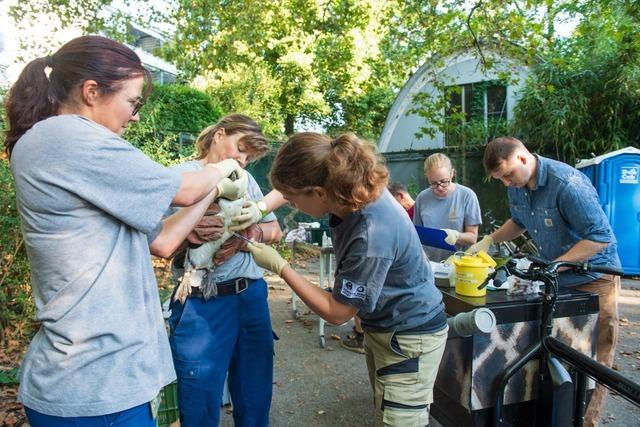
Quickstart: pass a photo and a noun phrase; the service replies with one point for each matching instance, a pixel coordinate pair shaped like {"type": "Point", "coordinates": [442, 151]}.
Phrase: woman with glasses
{"type": "Point", "coordinates": [446, 205]}
{"type": "Point", "coordinates": [91, 208]}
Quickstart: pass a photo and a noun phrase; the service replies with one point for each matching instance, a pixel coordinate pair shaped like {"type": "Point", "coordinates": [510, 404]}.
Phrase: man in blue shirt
{"type": "Point", "coordinates": [560, 209]}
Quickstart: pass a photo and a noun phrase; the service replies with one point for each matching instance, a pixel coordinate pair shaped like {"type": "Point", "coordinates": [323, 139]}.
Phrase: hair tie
{"type": "Point", "coordinates": [334, 142]}
{"type": "Point", "coordinates": [48, 61]}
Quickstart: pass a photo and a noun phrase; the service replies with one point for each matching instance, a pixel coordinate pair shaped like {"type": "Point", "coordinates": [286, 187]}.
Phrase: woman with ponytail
{"type": "Point", "coordinates": [91, 208]}
{"type": "Point", "coordinates": [382, 274]}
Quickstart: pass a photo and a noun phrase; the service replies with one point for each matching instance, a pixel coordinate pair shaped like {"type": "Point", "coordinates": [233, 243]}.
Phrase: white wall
{"type": "Point", "coordinates": [400, 128]}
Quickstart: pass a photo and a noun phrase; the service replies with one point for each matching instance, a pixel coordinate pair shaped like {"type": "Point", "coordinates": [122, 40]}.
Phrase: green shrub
{"type": "Point", "coordinates": [16, 306]}
{"type": "Point", "coordinates": [170, 111]}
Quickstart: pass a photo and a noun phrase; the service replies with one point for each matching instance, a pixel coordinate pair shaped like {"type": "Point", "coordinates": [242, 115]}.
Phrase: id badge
{"type": "Point", "coordinates": [155, 405]}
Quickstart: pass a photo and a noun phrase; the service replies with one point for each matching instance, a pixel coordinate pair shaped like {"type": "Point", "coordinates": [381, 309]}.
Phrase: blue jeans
{"type": "Point", "coordinates": [226, 334]}
{"type": "Point", "coordinates": [138, 416]}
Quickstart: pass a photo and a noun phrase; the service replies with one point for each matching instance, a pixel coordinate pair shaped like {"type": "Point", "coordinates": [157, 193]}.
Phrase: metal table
{"type": "Point", "coordinates": [464, 392]}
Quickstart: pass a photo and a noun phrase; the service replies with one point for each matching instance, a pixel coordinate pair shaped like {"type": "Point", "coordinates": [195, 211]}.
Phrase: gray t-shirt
{"type": "Point", "coordinates": [87, 201]}
{"type": "Point", "coordinates": [455, 211]}
{"type": "Point", "coordinates": [242, 263]}
{"type": "Point", "coordinates": [381, 269]}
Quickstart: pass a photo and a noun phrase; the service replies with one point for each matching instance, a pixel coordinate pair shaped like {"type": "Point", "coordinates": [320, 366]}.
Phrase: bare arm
{"type": "Point", "coordinates": [274, 200]}
{"type": "Point", "coordinates": [509, 231]}
{"type": "Point", "coordinates": [469, 236]}
{"type": "Point", "coordinates": [582, 251]}
{"type": "Point", "coordinates": [177, 227]}
{"type": "Point", "coordinates": [196, 185]}
{"type": "Point", "coordinates": [318, 300]}
{"type": "Point", "coordinates": [271, 231]}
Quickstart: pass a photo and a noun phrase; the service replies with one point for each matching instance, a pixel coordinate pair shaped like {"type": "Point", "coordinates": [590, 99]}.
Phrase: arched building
{"type": "Point", "coordinates": [496, 88]}
{"type": "Point", "coordinates": [484, 96]}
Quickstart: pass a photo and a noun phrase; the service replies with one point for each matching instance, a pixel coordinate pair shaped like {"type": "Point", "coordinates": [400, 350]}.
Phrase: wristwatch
{"type": "Point", "coordinates": [262, 207]}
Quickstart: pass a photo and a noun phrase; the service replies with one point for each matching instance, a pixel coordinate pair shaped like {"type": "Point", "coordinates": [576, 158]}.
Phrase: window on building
{"type": "Point", "coordinates": [474, 111]}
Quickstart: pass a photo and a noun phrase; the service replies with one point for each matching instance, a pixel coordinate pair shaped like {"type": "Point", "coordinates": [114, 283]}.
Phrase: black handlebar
{"type": "Point", "coordinates": [604, 269]}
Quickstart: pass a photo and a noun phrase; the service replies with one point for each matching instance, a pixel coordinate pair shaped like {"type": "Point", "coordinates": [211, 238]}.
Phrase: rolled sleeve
{"type": "Point", "coordinates": [579, 204]}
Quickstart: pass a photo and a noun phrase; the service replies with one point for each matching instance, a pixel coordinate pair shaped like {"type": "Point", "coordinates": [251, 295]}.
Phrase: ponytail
{"type": "Point", "coordinates": [36, 96]}
{"type": "Point", "coordinates": [346, 167]}
{"type": "Point", "coordinates": [29, 101]}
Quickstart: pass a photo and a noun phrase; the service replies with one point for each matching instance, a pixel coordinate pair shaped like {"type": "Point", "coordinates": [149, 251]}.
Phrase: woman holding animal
{"type": "Point", "coordinates": [91, 208]}
{"type": "Point", "coordinates": [220, 319]}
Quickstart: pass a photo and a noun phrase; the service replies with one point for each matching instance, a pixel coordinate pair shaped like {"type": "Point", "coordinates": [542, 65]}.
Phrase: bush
{"type": "Point", "coordinates": [16, 307]}
{"type": "Point", "coordinates": [170, 111]}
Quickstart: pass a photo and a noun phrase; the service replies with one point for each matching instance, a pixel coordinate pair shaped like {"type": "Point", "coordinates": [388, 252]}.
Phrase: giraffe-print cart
{"type": "Point", "coordinates": [465, 390]}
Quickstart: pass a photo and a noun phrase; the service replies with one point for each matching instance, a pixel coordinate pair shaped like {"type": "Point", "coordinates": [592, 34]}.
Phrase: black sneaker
{"type": "Point", "coordinates": [354, 342]}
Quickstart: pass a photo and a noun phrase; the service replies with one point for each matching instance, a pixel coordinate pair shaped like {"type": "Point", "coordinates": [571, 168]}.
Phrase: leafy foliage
{"type": "Point", "coordinates": [16, 306]}
{"type": "Point", "coordinates": [585, 97]}
{"type": "Point", "coordinates": [9, 376]}
{"type": "Point", "coordinates": [172, 110]}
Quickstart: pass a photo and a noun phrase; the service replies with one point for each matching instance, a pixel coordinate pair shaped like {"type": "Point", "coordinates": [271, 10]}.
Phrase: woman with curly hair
{"type": "Point", "coordinates": [382, 274]}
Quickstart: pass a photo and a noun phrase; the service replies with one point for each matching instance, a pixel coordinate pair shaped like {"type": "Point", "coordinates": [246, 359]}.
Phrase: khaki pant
{"type": "Point", "coordinates": [607, 288]}
{"type": "Point", "coordinates": [402, 371]}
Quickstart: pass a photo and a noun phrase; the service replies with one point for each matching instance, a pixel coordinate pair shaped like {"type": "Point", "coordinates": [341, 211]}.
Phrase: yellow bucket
{"type": "Point", "coordinates": [471, 270]}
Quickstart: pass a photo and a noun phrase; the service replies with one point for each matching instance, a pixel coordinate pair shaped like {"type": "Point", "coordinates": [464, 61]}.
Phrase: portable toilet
{"type": "Point", "coordinates": [616, 177]}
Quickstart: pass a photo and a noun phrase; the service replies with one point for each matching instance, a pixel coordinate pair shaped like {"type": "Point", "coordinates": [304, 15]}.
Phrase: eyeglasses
{"type": "Point", "coordinates": [137, 105]}
{"type": "Point", "coordinates": [444, 183]}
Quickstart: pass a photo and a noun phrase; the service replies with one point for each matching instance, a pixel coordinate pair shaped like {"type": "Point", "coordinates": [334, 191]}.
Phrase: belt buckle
{"type": "Point", "coordinates": [240, 281]}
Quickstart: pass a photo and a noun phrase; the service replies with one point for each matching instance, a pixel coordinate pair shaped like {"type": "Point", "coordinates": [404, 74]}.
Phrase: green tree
{"type": "Point", "coordinates": [309, 54]}
{"type": "Point", "coordinates": [584, 98]}
{"type": "Point", "coordinates": [341, 62]}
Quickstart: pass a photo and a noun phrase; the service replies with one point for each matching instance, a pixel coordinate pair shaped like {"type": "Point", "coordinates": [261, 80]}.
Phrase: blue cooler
{"type": "Point", "coordinates": [616, 177]}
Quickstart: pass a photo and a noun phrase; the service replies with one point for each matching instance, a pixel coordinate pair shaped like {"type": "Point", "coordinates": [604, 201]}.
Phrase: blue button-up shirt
{"type": "Point", "coordinates": [562, 210]}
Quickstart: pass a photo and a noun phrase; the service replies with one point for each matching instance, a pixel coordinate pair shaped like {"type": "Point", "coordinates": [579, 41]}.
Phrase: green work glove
{"type": "Point", "coordinates": [267, 257]}
{"type": "Point", "coordinates": [233, 190]}
{"type": "Point", "coordinates": [482, 245]}
{"type": "Point", "coordinates": [226, 167]}
{"type": "Point", "coordinates": [452, 236]}
{"type": "Point", "coordinates": [250, 214]}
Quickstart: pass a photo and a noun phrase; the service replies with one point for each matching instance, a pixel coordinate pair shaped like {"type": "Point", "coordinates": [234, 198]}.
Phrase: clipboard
{"type": "Point", "coordinates": [433, 237]}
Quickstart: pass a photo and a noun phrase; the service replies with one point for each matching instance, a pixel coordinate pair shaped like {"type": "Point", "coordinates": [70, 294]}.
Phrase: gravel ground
{"type": "Point", "coordinates": [316, 387]}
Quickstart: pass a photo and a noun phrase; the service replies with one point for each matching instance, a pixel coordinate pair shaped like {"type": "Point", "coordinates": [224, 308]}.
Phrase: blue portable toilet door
{"type": "Point", "coordinates": [624, 209]}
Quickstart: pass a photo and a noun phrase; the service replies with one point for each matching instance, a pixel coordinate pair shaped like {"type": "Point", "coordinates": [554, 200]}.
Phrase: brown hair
{"type": "Point", "coordinates": [346, 167]}
{"type": "Point", "coordinates": [498, 150]}
{"type": "Point", "coordinates": [232, 124]}
{"type": "Point", "coordinates": [35, 97]}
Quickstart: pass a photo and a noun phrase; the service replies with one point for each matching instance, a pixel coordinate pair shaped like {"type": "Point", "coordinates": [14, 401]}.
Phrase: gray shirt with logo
{"type": "Point", "coordinates": [87, 201]}
{"type": "Point", "coordinates": [382, 270]}
{"type": "Point", "coordinates": [455, 211]}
